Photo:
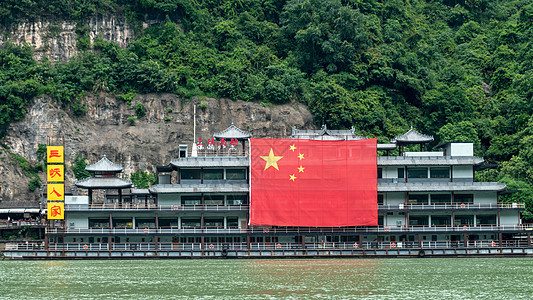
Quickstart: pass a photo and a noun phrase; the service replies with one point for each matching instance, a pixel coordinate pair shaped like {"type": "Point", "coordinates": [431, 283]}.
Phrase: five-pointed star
{"type": "Point", "coordinates": [292, 148]}
{"type": "Point", "coordinates": [301, 169]}
{"type": "Point", "coordinates": [301, 156]}
{"type": "Point", "coordinates": [292, 177]}
{"type": "Point", "coordinates": [271, 160]}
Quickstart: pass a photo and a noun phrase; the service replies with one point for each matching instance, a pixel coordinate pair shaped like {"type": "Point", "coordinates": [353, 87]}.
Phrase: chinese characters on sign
{"type": "Point", "coordinates": [56, 210]}
{"type": "Point", "coordinates": [222, 144]}
{"type": "Point", "coordinates": [56, 192]}
{"type": "Point", "coordinates": [55, 175]}
{"type": "Point", "coordinates": [54, 154]}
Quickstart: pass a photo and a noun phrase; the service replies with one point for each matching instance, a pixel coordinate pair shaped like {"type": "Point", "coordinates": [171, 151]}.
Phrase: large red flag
{"type": "Point", "coordinates": [313, 182]}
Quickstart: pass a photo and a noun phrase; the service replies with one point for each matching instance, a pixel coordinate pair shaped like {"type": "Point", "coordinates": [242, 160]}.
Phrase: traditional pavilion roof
{"type": "Point", "coordinates": [104, 183]}
{"type": "Point", "coordinates": [104, 165]}
{"type": "Point", "coordinates": [413, 137]}
{"type": "Point", "coordinates": [325, 133]}
{"type": "Point", "coordinates": [233, 132]}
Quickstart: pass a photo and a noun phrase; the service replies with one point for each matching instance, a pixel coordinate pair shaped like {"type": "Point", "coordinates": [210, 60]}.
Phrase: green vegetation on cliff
{"type": "Point", "coordinates": [460, 70]}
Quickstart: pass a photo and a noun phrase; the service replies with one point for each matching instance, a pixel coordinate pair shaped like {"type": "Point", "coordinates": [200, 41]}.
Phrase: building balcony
{"type": "Point", "coordinates": [428, 160]}
{"type": "Point", "coordinates": [141, 207]}
{"type": "Point", "coordinates": [449, 206]}
{"type": "Point", "coordinates": [263, 231]}
{"type": "Point", "coordinates": [165, 246]}
{"type": "Point", "coordinates": [227, 187]}
{"type": "Point", "coordinates": [432, 186]}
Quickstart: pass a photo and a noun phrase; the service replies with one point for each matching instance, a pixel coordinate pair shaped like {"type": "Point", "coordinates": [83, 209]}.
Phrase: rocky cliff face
{"type": "Point", "coordinates": [152, 141]}
{"type": "Point", "coordinates": [57, 40]}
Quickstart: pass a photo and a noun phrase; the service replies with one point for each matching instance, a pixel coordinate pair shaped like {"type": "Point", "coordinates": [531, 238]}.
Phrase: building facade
{"type": "Point", "coordinates": [427, 199]}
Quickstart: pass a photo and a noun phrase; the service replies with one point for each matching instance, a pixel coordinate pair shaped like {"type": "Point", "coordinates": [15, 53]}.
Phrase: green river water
{"type": "Point", "coordinates": [438, 278]}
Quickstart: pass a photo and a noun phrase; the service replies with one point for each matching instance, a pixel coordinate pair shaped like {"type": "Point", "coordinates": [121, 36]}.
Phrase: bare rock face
{"type": "Point", "coordinates": [57, 40]}
{"type": "Point", "coordinates": [154, 139]}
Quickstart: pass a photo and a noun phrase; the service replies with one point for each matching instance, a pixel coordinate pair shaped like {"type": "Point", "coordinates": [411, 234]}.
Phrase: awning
{"type": "Point", "coordinates": [19, 210]}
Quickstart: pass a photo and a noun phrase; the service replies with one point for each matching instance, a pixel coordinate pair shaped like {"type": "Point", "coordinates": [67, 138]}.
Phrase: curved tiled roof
{"type": "Point", "coordinates": [232, 132]}
{"type": "Point", "coordinates": [324, 132]}
{"type": "Point", "coordinates": [104, 165]}
{"type": "Point", "coordinates": [104, 182]}
{"type": "Point", "coordinates": [413, 137]}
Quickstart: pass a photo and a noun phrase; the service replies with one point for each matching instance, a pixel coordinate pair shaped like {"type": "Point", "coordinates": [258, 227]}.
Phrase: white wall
{"type": "Point", "coordinates": [509, 217]}
{"type": "Point", "coordinates": [391, 220]}
{"type": "Point", "coordinates": [390, 172]}
{"type": "Point", "coordinates": [463, 172]}
{"type": "Point", "coordinates": [78, 220]}
{"type": "Point", "coordinates": [485, 197]}
{"type": "Point", "coordinates": [76, 199]}
{"type": "Point", "coordinates": [394, 198]}
{"type": "Point", "coordinates": [460, 149]}
{"type": "Point", "coordinates": [168, 199]}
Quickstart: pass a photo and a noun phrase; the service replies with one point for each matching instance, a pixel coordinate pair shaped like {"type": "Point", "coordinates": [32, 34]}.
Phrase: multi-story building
{"type": "Point", "coordinates": [427, 199]}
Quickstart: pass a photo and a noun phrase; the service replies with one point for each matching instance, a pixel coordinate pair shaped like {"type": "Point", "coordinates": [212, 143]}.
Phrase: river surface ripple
{"type": "Point", "coordinates": [429, 278]}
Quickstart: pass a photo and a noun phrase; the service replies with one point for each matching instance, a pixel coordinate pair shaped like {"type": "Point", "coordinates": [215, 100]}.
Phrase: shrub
{"type": "Point", "coordinates": [140, 110]}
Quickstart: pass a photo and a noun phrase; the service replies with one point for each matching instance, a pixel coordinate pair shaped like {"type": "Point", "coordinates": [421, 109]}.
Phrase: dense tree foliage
{"type": "Point", "coordinates": [460, 70]}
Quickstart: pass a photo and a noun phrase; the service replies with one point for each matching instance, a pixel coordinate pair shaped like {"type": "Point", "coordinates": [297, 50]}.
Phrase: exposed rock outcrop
{"type": "Point", "coordinates": [152, 141]}
{"type": "Point", "coordinates": [57, 40]}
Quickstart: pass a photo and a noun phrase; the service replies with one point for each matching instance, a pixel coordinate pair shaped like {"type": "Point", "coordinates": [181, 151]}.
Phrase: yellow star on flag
{"type": "Point", "coordinates": [301, 169]}
{"type": "Point", "coordinates": [292, 177]}
{"type": "Point", "coordinates": [301, 156]}
{"type": "Point", "coordinates": [271, 160]}
{"type": "Point", "coordinates": [292, 148]}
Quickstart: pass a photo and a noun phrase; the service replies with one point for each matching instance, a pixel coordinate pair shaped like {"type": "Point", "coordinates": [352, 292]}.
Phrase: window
{"type": "Point", "coordinates": [441, 199]}
{"type": "Point", "coordinates": [418, 199]}
{"type": "Point", "coordinates": [214, 200]}
{"type": "Point", "coordinates": [233, 222]}
{"type": "Point", "coordinates": [237, 200]}
{"type": "Point", "coordinates": [441, 220]}
{"type": "Point", "coordinates": [440, 172]}
{"type": "Point", "coordinates": [486, 220]}
{"type": "Point", "coordinates": [236, 174]}
{"type": "Point", "coordinates": [214, 222]}
{"type": "Point", "coordinates": [401, 172]}
{"type": "Point", "coordinates": [464, 220]}
{"type": "Point", "coordinates": [123, 223]}
{"type": "Point", "coordinates": [167, 223]}
{"type": "Point", "coordinates": [188, 174]}
{"type": "Point", "coordinates": [417, 173]}
{"type": "Point", "coordinates": [190, 223]}
{"type": "Point", "coordinates": [418, 220]}
{"type": "Point", "coordinates": [380, 199]}
{"type": "Point", "coordinates": [463, 198]}
{"type": "Point", "coordinates": [380, 173]}
{"type": "Point", "coordinates": [145, 223]}
{"type": "Point", "coordinates": [98, 223]}
{"type": "Point", "coordinates": [191, 200]}
{"type": "Point", "coordinates": [213, 174]}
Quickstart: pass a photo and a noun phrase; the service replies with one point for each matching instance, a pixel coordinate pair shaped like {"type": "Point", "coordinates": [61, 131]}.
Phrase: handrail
{"type": "Point", "coordinates": [297, 230]}
{"type": "Point", "coordinates": [218, 246]}
{"type": "Point", "coordinates": [164, 207]}
{"type": "Point", "coordinates": [459, 206]}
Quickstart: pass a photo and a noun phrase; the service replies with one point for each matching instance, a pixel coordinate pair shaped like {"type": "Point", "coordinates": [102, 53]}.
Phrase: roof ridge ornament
{"type": "Point", "coordinates": [413, 137]}
{"type": "Point", "coordinates": [104, 165]}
